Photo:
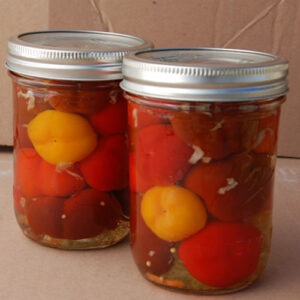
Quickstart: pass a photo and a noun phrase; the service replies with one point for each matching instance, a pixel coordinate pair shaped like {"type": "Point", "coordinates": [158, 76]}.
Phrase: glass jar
{"type": "Point", "coordinates": [203, 134]}
{"type": "Point", "coordinates": [70, 137]}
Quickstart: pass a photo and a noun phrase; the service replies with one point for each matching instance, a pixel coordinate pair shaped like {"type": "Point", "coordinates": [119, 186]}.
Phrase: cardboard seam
{"type": "Point", "coordinates": [103, 19]}
{"type": "Point", "coordinates": [253, 22]}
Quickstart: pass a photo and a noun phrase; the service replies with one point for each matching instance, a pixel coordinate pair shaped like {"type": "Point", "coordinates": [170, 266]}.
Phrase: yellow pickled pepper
{"type": "Point", "coordinates": [61, 137]}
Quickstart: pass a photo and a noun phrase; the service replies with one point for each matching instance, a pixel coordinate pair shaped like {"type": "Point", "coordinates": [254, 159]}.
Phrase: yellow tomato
{"type": "Point", "coordinates": [61, 137]}
{"type": "Point", "coordinates": [173, 213]}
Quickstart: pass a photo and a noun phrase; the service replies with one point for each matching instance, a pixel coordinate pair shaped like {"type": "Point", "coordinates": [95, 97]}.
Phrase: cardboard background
{"type": "Point", "coordinates": [265, 25]}
{"type": "Point", "coordinates": [16, 16]}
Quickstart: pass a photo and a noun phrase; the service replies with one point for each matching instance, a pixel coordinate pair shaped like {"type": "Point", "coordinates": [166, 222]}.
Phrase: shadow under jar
{"type": "Point", "coordinates": [203, 135]}
{"type": "Point", "coordinates": [70, 136]}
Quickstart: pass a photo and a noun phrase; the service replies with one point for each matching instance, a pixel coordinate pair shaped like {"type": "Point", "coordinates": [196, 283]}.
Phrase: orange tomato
{"type": "Point", "coordinates": [173, 213]}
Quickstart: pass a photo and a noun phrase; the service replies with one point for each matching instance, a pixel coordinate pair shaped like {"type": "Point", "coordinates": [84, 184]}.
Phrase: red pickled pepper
{"type": "Point", "coordinates": [216, 134]}
{"type": "Point", "coordinates": [83, 215]}
{"type": "Point", "coordinates": [234, 188]}
{"type": "Point", "coordinates": [112, 118]}
{"type": "Point", "coordinates": [80, 97]}
{"type": "Point", "coordinates": [150, 252]}
{"type": "Point", "coordinates": [106, 169]}
{"type": "Point", "coordinates": [88, 213]}
{"type": "Point", "coordinates": [35, 177]}
{"type": "Point", "coordinates": [44, 215]}
{"type": "Point", "coordinates": [160, 158]}
{"type": "Point", "coordinates": [222, 254]}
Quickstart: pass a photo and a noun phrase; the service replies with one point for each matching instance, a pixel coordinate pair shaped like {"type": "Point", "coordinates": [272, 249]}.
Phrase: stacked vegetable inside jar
{"type": "Point", "coordinates": [203, 136]}
{"type": "Point", "coordinates": [70, 137]}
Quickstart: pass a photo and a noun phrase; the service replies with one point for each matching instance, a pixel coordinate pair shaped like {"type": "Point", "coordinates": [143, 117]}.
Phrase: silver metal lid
{"type": "Point", "coordinates": [71, 55]}
{"type": "Point", "coordinates": [205, 74]}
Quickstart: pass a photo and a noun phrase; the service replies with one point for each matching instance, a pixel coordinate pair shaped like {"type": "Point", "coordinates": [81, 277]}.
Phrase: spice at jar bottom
{"type": "Point", "coordinates": [70, 137]}
{"type": "Point", "coordinates": [203, 131]}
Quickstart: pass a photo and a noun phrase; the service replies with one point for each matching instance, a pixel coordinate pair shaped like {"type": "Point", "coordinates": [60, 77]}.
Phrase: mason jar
{"type": "Point", "coordinates": [203, 131]}
{"type": "Point", "coordinates": [70, 136]}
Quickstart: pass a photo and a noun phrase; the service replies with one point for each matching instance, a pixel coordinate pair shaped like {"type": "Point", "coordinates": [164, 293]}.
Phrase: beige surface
{"type": "Point", "coordinates": [265, 25]}
{"type": "Point", "coordinates": [30, 271]}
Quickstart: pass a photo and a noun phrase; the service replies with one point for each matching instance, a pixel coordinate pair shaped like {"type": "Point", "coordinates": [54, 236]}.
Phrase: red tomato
{"type": "Point", "coordinates": [151, 254]}
{"type": "Point", "coordinates": [26, 176]}
{"type": "Point", "coordinates": [88, 213]}
{"type": "Point", "coordinates": [216, 134]}
{"type": "Point", "coordinates": [136, 180]}
{"type": "Point", "coordinates": [140, 116]}
{"type": "Point", "coordinates": [106, 169]}
{"type": "Point", "coordinates": [60, 183]}
{"type": "Point", "coordinates": [80, 97]}
{"type": "Point", "coordinates": [161, 158]}
{"type": "Point", "coordinates": [222, 254]}
{"type": "Point", "coordinates": [234, 188]}
{"type": "Point", "coordinates": [111, 119]}
{"type": "Point", "coordinates": [44, 215]}
{"type": "Point", "coordinates": [36, 177]}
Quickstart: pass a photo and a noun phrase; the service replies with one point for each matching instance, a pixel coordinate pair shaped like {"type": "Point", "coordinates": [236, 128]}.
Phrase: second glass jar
{"type": "Point", "coordinates": [203, 138]}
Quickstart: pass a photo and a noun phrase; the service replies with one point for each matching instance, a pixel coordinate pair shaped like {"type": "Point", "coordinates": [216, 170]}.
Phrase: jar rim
{"type": "Point", "coordinates": [205, 74]}
{"type": "Point", "coordinates": [71, 54]}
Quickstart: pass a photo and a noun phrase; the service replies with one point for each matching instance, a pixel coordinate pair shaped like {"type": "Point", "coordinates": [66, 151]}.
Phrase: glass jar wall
{"type": "Point", "coordinates": [201, 191]}
{"type": "Point", "coordinates": [203, 138]}
{"type": "Point", "coordinates": [70, 137]}
{"type": "Point", "coordinates": [71, 174]}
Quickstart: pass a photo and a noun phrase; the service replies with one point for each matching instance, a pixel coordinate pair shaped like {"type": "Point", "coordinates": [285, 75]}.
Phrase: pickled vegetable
{"type": "Point", "coordinates": [222, 254]}
{"type": "Point", "coordinates": [44, 215]}
{"type": "Point", "coordinates": [161, 158]}
{"type": "Point", "coordinates": [173, 213]}
{"type": "Point", "coordinates": [36, 177]}
{"type": "Point", "coordinates": [234, 188]}
{"type": "Point", "coordinates": [83, 98]}
{"type": "Point", "coordinates": [88, 213]}
{"type": "Point", "coordinates": [61, 137]}
{"type": "Point", "coordinates": [111, 119]}
{"type": "Point", "coordinates": [151, 253]}
{"type": "Point", "coordinates": [215, 134]}
{"type": "Point", "coordinates": [106, 168]}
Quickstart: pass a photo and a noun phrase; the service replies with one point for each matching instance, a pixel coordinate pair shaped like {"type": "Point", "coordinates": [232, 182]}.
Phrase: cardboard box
{"type": "Point", "coordinates": [263, 25]}
{"type": "Point", "coordinates": [16, 17]}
